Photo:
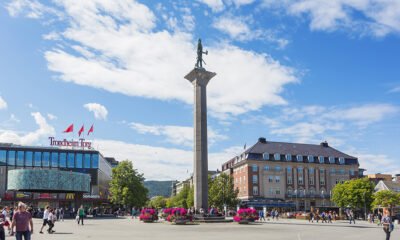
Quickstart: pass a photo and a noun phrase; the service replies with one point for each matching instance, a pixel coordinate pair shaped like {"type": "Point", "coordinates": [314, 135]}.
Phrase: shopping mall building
{"type": "Point", "coordinates": [56, 176]}
{"type": "Point", "coordinates": [292, 176]}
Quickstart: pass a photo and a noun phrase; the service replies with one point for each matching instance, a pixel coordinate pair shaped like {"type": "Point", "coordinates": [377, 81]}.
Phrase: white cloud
{"type": "Point", "coordinates": [124, 53]}
{"type": "Point", "coordinates": [215, 5]}
{"type": "Point", "coordinates": [395, 90]}
{"type": "Point", "coordinates": [51, 116]}
{"type": "Point", "coordinates": [3, 103]}
{"type": "Point", "coordinates": [376, 163]}
{"type": "Point", "coordinates": [100, 112]}
{"type": "Point", "coordinates": [373, 17]}
{"type": "Point", "coordinates": [30, 8]}
{"type": "Point", "coordinates": [158, 163]}
{"type": "Point", "coordinates": [178, 135]}
{"type": "Point", "coordinates": [45, 130]}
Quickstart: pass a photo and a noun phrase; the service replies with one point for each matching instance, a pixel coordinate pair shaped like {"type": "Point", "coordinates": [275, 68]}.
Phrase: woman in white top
{"type": "Point", "coordinates": [51, 220]}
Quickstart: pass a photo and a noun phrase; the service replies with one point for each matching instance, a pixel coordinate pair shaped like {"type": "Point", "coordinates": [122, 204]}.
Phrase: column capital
{"type": "Point", "coordinates": [200, 76]}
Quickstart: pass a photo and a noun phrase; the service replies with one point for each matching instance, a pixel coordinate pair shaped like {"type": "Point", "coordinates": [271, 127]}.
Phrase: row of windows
{"type": "Point", "coordinates": [300, 170]}
{"type": "Point", "coordinates": [299, 158]}
{"type": "Point", "coordinates": [49, 159]}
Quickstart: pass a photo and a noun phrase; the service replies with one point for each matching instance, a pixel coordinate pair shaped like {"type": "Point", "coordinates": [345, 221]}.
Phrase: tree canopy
{"type": "Point", "coordinates": [181, 199]}
{"type": "Point", "coordinates": [386, 198]}
{"type": "Point", "coordinates": [158, 202]}
{"type": "Point", "coordinates": [354, 193]}
{"type": "Point", "coordinates": [126, 186]}
{"type": "Point", "coordinates": [221, 191]}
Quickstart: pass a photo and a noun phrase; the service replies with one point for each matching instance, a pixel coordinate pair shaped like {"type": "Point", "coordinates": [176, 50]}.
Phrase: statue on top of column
{"type": "Point", "coordinates": [199, 63]}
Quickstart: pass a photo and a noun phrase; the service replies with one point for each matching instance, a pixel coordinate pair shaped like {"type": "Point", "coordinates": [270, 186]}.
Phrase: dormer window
{"type": "Point", "coordinates": [332, 160]}
{"type": "Point", "coordinates": [321, 159]}
{"type": "Point", "coordinates": [310, 158]}
{"type": "Point", "coordinates": [266, 156]}
{"type": "Point", "coordinates": [341, 160]}
{"type": "Point", "coordinates": [299, 158]}
{"type": "Point", "coordinates": [288, 157]}
{"type": "Point", "coordinates": [277, 156]}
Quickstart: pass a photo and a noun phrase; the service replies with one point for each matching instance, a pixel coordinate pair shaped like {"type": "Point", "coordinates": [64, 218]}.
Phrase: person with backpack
{"type": "Point", "coordinates": [387, 223]}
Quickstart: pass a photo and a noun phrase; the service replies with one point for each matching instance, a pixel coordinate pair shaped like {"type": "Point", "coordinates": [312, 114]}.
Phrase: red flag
{"type": "Point", "coordinates": [81, 130]}
{"type": "Point", "coordinates": [69, 129]}
{"type": "Point", "coordinates": [90, 130]}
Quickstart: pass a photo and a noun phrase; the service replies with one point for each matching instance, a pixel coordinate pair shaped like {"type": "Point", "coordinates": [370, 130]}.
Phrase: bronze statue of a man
{"type": "Point", "coordinates": [199, 63]}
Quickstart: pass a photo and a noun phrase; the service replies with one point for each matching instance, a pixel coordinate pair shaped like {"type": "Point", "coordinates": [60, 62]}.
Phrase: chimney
{"type": "Point", "coordinates": [324, 144]}
{"type": "Point", "coordinates": [262, 140]}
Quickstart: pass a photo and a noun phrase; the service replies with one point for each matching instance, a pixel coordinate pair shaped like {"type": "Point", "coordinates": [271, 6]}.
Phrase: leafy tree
{"type": "Point", "coordinates": [158, 202]}
{"type": "Point", "coordinates": [355, 193]}
{"type": "Point", "coordinates": [126, 186]}
{"type": "Point", "coordinates": [181, 199]}
{"type": "Point", "coordinates": [221, 191]}
{"type": "Point", "coordinates": [386, 198]}
{"type": "Point", "coordinates": [190, 197]}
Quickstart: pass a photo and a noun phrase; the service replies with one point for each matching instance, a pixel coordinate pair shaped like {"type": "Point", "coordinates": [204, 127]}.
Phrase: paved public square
{"type": "Point", "coordinates": [126, 228]}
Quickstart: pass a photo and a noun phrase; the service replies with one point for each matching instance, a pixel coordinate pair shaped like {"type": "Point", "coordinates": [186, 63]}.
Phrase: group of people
{"type": "Point", "coordinates": [324, 216]}
{"type": "Point", "coordinates": [49, 218]}
{"type": "Point", "coordinates": [375, 218]}
{"type": "Point", "coordinates": [274, 214]}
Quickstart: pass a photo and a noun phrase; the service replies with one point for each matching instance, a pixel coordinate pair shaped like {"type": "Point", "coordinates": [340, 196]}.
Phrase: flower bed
{"type": "Point", "coordinates": [246, 215]}
{"type": "Point", "coordinates": [177, 215]}
{"type": "Point", "coordinates": [148, 215]}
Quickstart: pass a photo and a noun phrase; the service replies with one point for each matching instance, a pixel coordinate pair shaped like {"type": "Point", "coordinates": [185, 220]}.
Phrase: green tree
{"type": "Point", "coordinates": [386, 198]}
{"type": "Point", "coordinates": [126, 186]}
{"type": "Point", "coordinates": [190, 197]}
{"type": "Point", "coordinates": [181, 199]}
{"type": "Point", "coordinates": [356, 193]}
{"type": "Point", "coordinates": [158, 202]}
{"type": "Point", "coordinates": [221, 191]}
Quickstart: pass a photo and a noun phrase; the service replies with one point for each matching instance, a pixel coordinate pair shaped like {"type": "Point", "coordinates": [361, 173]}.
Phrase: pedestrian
{"type": "Point", "coordinates": [45, 217]}
{"type": "Point", "coordinates": [273, 214]}
{"type": "Point", "coordinates": [62, 214]}
{"type": "Point", "coordinates": [5, 213]}
{"type": "Point", "coordinates": [311, 219]}
{"type": "Point", "coordinates": [58, 214]}
{"type": "Point", "coordinates": [387, 223]}
{"type": "Point", "coordinates": [379, 218]}
{"type": "Point", "coordinates": [323, 216]}
{"type": "Point", "coordinates": [351, 217]}
{"type": "Point", "coordinates": [51, 219]}
{"type": "Point", "coordinates": [22, 221]}
{"type": "Point", "coordinates": [2, 225]}
{"type": "Point", "coordinates": [81, 214]}
{"type": "Point", "coordinates": [330, 217]}
{"type": "Point", "coordinates": [261, 214]}
{"type": "Point", "coordinates": [276, 215]}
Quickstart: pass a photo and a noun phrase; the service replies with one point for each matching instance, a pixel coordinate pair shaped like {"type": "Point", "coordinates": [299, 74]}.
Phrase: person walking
{"type": "Point", "coordinates": [2, 224]}
{"type": "Point", "coordinates": [62, 214]}
{"type": "Point", "coordinates": [22, 221]}
{"type": "Point", "coordinates": [351, 217]}
{"type": "Point", "coordinates": [387, 223]}
{"type": "Point", "coordinates": [52, 218]}
{"type": "Point", "coordinates": [81, 214]}
{"type": "Point", "coordinates": [45, 217]}
{"type": "Point", "coordinates": [261, 214]}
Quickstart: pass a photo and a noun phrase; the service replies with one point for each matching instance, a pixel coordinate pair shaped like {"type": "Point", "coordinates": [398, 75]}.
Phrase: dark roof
{"type": "Point", "coordinates": [394, 186]}
{"type": "Point", "coordinates": [322, 149]}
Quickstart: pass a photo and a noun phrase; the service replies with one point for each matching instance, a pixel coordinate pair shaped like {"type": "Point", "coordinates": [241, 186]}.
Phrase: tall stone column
{"type": "Point", "coordinates": [199, 77]}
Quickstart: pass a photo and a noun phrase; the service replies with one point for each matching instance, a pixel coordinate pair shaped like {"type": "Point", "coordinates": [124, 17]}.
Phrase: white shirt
{"type": "Point", "coordinates": [5, 213]}
{"type": "Point", "coordinates": [46, 214]}
{"type": "Point", "coordinates": [50, 217]}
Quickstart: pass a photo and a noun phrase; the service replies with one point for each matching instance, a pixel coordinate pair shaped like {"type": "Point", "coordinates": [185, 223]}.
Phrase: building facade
{"type": "Point", "coordinates": [89, 162]}
{"type": "Point", "coordinates": [290, 175]}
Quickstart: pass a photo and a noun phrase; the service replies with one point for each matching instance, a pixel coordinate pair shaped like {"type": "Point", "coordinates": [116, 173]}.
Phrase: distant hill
{"type": "Point", "coordinates": [159, 188]}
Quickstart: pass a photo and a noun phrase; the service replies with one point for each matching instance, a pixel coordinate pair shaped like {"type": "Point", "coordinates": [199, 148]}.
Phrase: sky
{"type": "Point", "coordinates": [302, 71]}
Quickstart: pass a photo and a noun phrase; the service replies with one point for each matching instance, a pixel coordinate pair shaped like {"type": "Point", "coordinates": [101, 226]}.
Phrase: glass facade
{"type": "Point", "coordinates": [3, 157]}
{"type": "Point", "coordinates": [11, 158]}
{"type": "Point", "coordinates": [79, 160]}
{"type": "Point", "coordinates": [63, 160]}
{"type": "Point", "coordinates": [38, 159]}
{"type": "Point", "coordinates": [54, 159]}
{"type": "Point", "coordinates": [20, 158]}
{"type": "Point", "coordinates": [46, 159]}
{"type": "Point", "coordinates": [28, 158]}
{"type": "Point", "coordinates": [86, 160]}
{"type": "Point", "coordinates": [71, 160]}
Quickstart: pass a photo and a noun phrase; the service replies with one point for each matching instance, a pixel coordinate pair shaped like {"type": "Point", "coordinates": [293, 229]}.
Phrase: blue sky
{"type": "Point", "coordinates": [298, 71]}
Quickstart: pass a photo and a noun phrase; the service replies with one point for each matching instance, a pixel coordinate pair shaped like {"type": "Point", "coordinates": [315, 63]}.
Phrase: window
{"type": "Point", "coordinates": [278, 191]}
{"type": "Point", "coordinates": [342, 171]}
{"type": "Point", "coordinates": [3, 157]}
{"type": "Point", "coordinates": [20, 158]}
{"type": "Point", "coordinates": [11, 158]}
{"type": "Point", "coordinates": [277, 156]}
{"type": "Point", "coordinates": [289, 169]}
{"type": "Point", "coordinates": [322, 181]}
{"type": "Point", "coordinates": [289, 191]}
{"type": "Point", "coordinates": [46, 159]}
{"type": "Point", "coordinates": [299, 158]}
{"type": "Point", "coordinates": [312, 192]}
{"type": "Point", "coordinates": [95, 160]}
{"type": "Point", "coordinates": [277, 179]}
{"type": "Point", "coordinates": [266, 156]}
{"type": "Point", "coordinates": [278, 168]}
{"type": "Point", "coordinates": [288, 157]}
{"type": "Point", "coordinates": [54, 159]}
{"type": "Point", "coordinates": [321, 171]}
{"type": "Point", "coordinates": [311, 180]}
{"type": "Point", "coordinates": [266, 168]}
{"type": "Point", "coordinates": [255, 168]}
{"type": "Point", "coordinates": [289, 180]}
{"type": "Point", "coordinates": [341, 160]}
{"type": "Point", "coordinates": [255, 190]}
{"type": "Point", "coordinates": [71, 160]}
{"type": "Point", "coordinates": [302, 192]}
{"type": "Point", "coordinates": [351, 172]}
{"type": "Point", "coordinates": [79, 161]}
{"type": "Point", "coordinates": [255, 179]}
{"type": "Point", "coordinates": [333, 170]}
{"type": "Point", "coordinates": [63, 160]}
{"type": "Point", "coordinates": [270, 178]}
{"type": "Point", "coordinates": [310, 158]}
{"type": "Point", "coordinates": [311, 171]}
{"type": "Point", "coordinates": [337, 181]}
{"type": "Point", "coordinates": [331, 160]}
{"type": "Point", "coordinates": [86, 162]}
{"type": "Point", "coordinates": [28, 159]}
{"type": "Point", "coordinates": [38, 159]}
{"type": "Point", "coordinates": [321, 159]}
{"type": "Point", "coordinates": [301, 182]}
{"type": "Point", "coordinates": [271, 191]}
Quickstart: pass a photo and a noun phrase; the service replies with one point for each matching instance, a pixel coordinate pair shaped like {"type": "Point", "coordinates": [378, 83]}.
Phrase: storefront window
{"type": "Point", "coordinates": [87, 161]}
{"type": "Point", "coordinates": [11, 158]}
{"type": "Point", "coordinates": [3, 157]}
{"type": "Point", "coordinates": [54, 159]}
{"type": "Point", "coordinates": [46, 159]}
{"type": "Point", "coordinates": [38, 159]}
{"type": "Point", "coordinates": [63, 160]}
{"type": "Point", "coordinates": [79, 160]}
{"type": "Point", "coordinates": [28, 159]}
{"type": "Point", "coordinates": [71, 160]}
{"type": "Point", "coordinates": [95, 160]}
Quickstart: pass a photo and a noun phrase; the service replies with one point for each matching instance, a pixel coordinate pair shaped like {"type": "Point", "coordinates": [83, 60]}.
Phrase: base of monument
{"type": "Point", "coordinates": [210, 219]}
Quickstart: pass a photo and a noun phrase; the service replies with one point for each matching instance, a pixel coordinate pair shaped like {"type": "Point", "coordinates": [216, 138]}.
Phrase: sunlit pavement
{"type": "Point", "coordinates": [126, 228]}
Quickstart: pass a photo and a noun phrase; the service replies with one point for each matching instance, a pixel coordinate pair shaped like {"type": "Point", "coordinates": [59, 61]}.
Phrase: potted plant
{"type": "Point", "coordinates": [179, 216]}
{"type": "Point", "coordinates": [246, 215]}
{"type": "Point", "coordinates": [148, 215]}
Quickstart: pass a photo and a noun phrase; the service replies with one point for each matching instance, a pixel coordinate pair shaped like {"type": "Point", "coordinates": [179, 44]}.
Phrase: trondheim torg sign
{"type": "Point", "coordinates": [65, 143]}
